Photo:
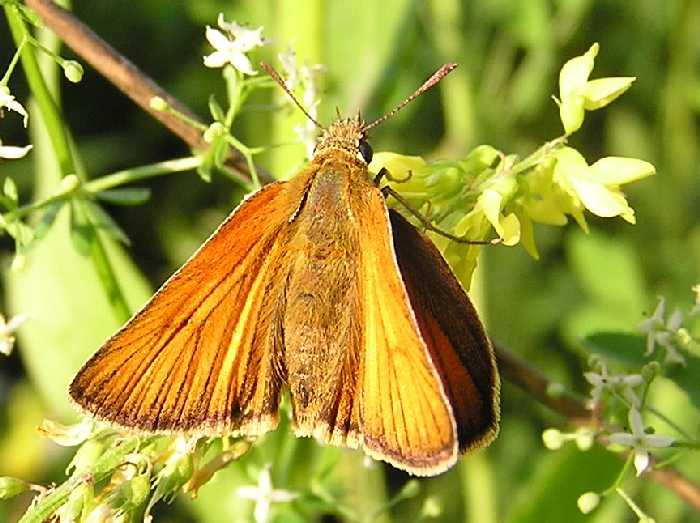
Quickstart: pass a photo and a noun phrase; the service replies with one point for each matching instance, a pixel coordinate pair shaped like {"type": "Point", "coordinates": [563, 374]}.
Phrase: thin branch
{"type": "Point", "coordinates": [533, 382]}
{"type": "Point", "coordinates": [127, 77]}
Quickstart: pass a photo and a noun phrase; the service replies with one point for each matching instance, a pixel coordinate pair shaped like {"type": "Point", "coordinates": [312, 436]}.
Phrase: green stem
{"type": "Point", "coordinates": [110, 181]}
{"type": "Point", "coordinates": [248, 155]}
{"type": "Point", "coordinates": [142, 173]}
{"type": "Point", "coordinates": [539, 155]}
{"type": "Point", "coordinates": [13, 63]}
{"type": "Point", "coordinates": [620, 476]}
{"type": "Point", "coordinates": [49, 110]}
{"type": "Point", "coordinates": [23, 211]}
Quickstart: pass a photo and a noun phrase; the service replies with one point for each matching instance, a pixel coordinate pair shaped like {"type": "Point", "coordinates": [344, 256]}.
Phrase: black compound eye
{"type": "Point", "coordinates": [365, 150]}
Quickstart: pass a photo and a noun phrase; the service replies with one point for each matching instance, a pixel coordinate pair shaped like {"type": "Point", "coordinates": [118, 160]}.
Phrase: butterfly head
{"type": "Point", "coordinates": [346, 135]}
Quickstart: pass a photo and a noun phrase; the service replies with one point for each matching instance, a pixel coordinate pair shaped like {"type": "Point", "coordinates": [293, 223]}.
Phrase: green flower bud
{"type": "Point", "coordinates": [432, 508]}
{"type": "Point", "coordinates": [10, 487]}
{"type": "Point", "coordinates": [553, 439]}
{"type": "Point", "coordinates": [213, 132]}
{"type": "Point", "coordinates": [73, 71]}
{"type": "Point", "coordinates": [650, 370]}
{"type": "Point", "coordinates": [158, 104]}
{"type": "Point", "coordinates": [410, 489]}
{"type": "Point", "coordinates": [588, 502]}
{"type": "Point", "coordinates": [86, 456]}
{"type": "Point", "coordinates": [555, 390]}
{"type": "Point", "coordinates": [69, 183]}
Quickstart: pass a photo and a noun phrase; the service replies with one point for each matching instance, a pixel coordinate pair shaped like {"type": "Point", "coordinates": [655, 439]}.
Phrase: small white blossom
{"type": "Point", "coordinates": [662, 332]}
{"type": "Point", "coordinates": [264, 495]}
{"type": "Point", "coordinates": [602, 381]}
{"type": "Point", "coordinates": [231, 45]}
{"type": "Point", "coordinates": [307, 77]}
{"type": "Point", "coordinates": [7, 100]}
{"type": "Point", "coordinates": [640, 441]}
{"type": "Point", "coordinates": [67, 435]}
{"type": "Point", "coordinates": [12, 152]}
{"type": "Point", "coordinates": [288, 59]}
{"type": "Point", "coordinates": [7, 330]}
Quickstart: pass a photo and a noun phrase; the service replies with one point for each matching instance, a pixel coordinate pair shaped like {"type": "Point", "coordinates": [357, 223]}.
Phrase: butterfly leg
{"type": "Point", "coordinates": [388, 191]}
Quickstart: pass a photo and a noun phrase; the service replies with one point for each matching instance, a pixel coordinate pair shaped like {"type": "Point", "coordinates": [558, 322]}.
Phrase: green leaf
{"type": "Point", "coordinates": [10, 189]}
{"type": "Point", "coordinates": [47, 219]}
{"type": "Point", "coordinates": [126, 196]}
{"type": "Point", "coordinates": [628, 349]}
{"type": "Point", "coordinates": [217, 113]}
{"type": "Point", "coordinates": [81, 231]}
{"type": "Point", "coordinates": [101, 219]}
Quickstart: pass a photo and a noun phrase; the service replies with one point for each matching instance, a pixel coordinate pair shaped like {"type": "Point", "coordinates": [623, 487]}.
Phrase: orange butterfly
{"type": "Point", "coordinates": [314, 285]}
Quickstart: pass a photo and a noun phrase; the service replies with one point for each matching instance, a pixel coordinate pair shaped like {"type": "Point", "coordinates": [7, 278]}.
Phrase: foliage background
{"type": "Point", "coordinates": [375, 53]}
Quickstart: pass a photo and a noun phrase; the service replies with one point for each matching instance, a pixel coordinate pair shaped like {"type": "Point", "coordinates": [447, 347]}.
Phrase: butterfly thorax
{"type": "Point", "coordinates": [341, 140]}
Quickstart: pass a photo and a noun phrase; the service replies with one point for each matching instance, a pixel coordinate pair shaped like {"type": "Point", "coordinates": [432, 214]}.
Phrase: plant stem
{"type": "Point", "coordinates": [49, 110]}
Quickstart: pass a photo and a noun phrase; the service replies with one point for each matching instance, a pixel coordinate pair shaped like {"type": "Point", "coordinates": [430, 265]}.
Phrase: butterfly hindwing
{"type": "Point", "coordinates": [453, 333]}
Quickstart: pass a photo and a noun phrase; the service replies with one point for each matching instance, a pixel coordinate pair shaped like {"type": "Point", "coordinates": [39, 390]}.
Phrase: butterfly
{"type": "Point", "coordinates": [314, 287]}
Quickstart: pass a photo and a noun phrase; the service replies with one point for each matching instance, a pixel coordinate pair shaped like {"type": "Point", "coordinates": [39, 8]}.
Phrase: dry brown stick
{"type": "Point", "coordinates": [127, 77]}
{"type": "Point", "coordinates": [533, 382]}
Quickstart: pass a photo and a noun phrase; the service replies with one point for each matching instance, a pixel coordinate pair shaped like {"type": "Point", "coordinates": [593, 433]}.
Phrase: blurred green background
{"type": "Point", "coordinates": [374, 54]}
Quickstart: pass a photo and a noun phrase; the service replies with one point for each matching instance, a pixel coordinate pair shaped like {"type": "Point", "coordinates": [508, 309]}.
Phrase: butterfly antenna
{"type": "Point", "coordinates": [277, 78]}
{"type": "Point", "coordinates": [435, 78]}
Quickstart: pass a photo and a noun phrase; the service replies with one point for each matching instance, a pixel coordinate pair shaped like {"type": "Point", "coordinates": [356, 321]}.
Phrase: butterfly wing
{"type": "Point", "coordinates": [200, 356]}
{"type": "Point", "coordinates": [453, 333]}
{"type": "Point", "coordinates": [405, 416]}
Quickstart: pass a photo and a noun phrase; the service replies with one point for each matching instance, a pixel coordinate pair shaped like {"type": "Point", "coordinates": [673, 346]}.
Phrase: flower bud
{"type": "Point", "coordinates": [553, 439]}
{"type": "Point", "coordinates": [73, 71]}
{"type": "Point", "coordinates": [588, 502]}
{"type": "Point", "coordinates": [10, 487]}
{"type": "Point", "coordinates": [650, 370]}
{"type": "Point", "coordinates": [158, 104]}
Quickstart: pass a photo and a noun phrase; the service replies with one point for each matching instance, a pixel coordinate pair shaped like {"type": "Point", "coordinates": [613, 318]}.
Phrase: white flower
{"type": "Point", "coordinates": [305, 76]}
{"type": "Point", "coordinates": [12, 152]}
{"type": "Point", "coordinates": [7, 330]}
{"type": "Point", "coordinates": [232, 44]}
{"type": "Point", "coordinates": [602, 381]}
{"type": "Point", "coordinates": [264, 495]}
{"type": "Point", "coordinates": [288, 59]}
{"type": "Point", "coordinates": [640, 440]}
{"type": "Point", "coordinates": [662, 332]}
{"type": "Point", "coordinates": [7, 100]}
{"type": "Point", "coordinates": [67, 435]}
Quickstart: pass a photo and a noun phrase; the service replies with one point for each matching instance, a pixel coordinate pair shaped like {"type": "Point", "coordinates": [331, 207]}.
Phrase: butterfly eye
{"type": "Point", "coordinates": [365, 150]}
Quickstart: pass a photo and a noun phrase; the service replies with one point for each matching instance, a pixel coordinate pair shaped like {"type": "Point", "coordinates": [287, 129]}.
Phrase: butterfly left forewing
{"type": "Point", "coordinates": [200, 356]}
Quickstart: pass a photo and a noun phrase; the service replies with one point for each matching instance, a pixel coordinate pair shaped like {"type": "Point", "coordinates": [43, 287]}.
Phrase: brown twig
{"type": "Point", "coordinates": [533, 382]}
{"type": "Point", "coordinates": [128, 78]}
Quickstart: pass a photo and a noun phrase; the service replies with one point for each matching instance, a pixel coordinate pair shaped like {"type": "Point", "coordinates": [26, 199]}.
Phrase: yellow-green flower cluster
{"type": "Point", "coordinates": [490, 193]}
